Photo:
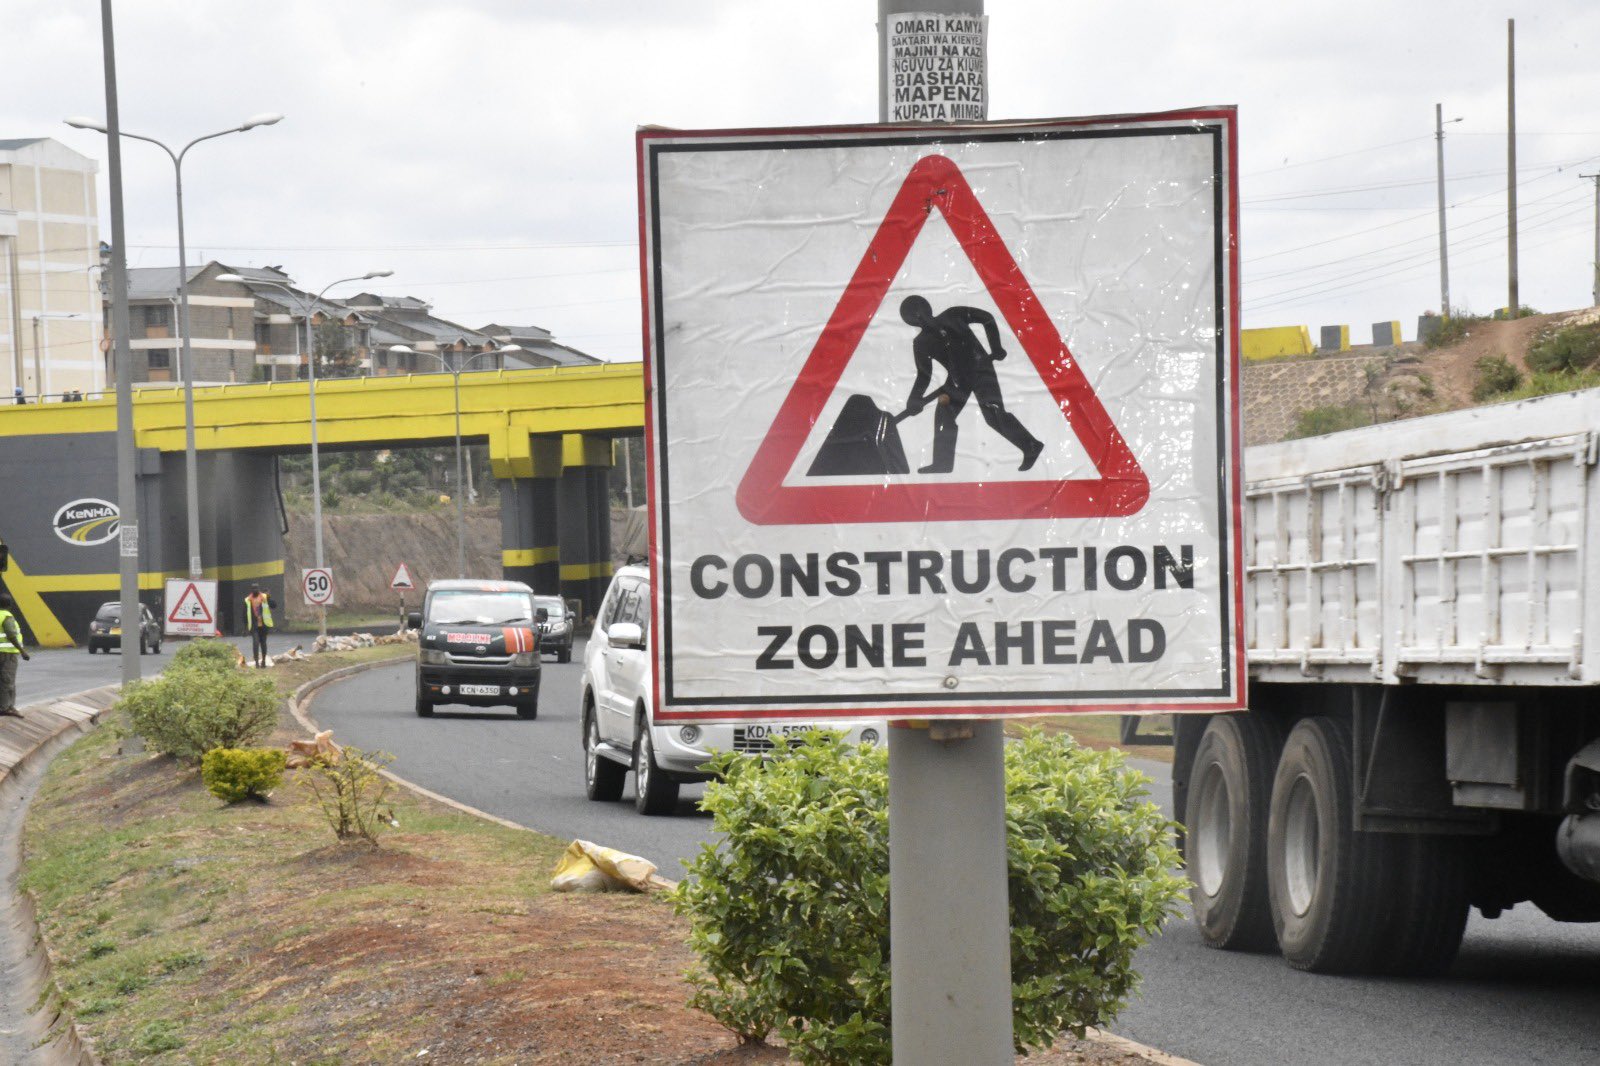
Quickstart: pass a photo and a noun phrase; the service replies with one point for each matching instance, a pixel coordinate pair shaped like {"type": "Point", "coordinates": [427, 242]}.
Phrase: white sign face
{"type": "Point", "coordinates": [190, 608]}
{"type": "Point", "coordinates": [944, 422]}
{"type": "Point", "coordinates": [402, 578]}
{"type": "Point", "coordinates": [317, 584]}
{"type": "Point", "coordinates": [937, 66]}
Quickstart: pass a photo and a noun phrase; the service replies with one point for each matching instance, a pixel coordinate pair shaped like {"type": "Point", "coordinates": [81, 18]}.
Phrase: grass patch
{"type": "Point", "coordinates": [178, 923]}
{"type": "Point", "coordinates": [1330, 419]}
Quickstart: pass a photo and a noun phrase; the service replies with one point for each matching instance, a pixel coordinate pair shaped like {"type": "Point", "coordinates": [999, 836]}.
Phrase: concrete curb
{"type": "Point", "coordinates": [44, 1034]}
{"type": "Point", "coordinates": [1133, 1047]}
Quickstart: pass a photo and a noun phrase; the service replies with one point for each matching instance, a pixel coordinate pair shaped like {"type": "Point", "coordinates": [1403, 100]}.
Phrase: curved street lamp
{"type": "Point", "coordinates": [307, 306]}
{"type": "Point", "coordinates": [191, 476]}
{"type": "Point", "coordinates": [455, 371]}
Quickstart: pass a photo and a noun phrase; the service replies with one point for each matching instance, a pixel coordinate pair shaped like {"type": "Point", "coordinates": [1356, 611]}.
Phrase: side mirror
{"type": "Point", "coordinates": [542, 614]}
{"type": "Point", "coordinates": [625, 635]}
{"type": "Point", "coordinates": [413, 619]}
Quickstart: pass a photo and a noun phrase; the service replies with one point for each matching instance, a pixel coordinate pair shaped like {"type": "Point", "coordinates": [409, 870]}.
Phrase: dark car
{"type": "Point", "coordinates": [105, 632]}
{"type": "Point", "coordinates": [555, 632]}
{"type": "Point", "coordinates": [478, 645]}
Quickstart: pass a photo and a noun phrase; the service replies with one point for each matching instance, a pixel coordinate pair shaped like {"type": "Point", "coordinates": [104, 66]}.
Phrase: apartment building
{"type": "Point", "coordinates": [50, 321]}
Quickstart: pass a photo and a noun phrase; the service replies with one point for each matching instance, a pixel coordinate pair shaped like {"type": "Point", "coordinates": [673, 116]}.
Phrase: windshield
{"type": "Point", "coordinates": [108, 612]}
{"type": "Point", "coordinates": [551, 604]}
{"type": "Point", "coordinates": [470, 608]}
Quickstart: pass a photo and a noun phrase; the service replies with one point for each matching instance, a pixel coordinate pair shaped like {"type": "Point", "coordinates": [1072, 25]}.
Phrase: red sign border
{"type": "Point", "coordinates": [936, 183]}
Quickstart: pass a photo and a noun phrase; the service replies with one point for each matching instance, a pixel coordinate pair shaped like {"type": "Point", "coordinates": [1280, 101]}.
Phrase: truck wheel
{"type": "Point", "coordinates": [1225, 819]}
{"type": "Point", "coordinates": [424, 708]}
{"type": "Point", "coordinates": [654, 792]}
{"type": "Point", "coordinates": [602, 778]}
{"type": "Point", "coordinates": [528, 710]}
{"type": "Point", "coordinates": [1432, 905]}
{"type": "Point", "coordinates": [564, 655]}
{"type": "Point", "coordinates": [1329, 884]}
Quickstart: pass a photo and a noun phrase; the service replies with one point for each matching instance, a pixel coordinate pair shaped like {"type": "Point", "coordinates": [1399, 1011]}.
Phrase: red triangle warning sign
{"type": "Point", "coordinates": [191, 607]}
{"type": "Point", "coordinates": [936, 183]}
{"type": "Point", "coordinates": [402, 578]}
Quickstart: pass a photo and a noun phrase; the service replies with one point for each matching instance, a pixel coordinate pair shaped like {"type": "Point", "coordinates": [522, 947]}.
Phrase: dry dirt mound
{"type": "Point", "coordinates": [1454, 369]}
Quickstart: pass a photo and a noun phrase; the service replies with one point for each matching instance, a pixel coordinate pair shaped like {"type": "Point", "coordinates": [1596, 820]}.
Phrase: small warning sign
{"type": "Point", "coordinates": [402, 578]}
{"type": "Point", "coordinates": [191, 608]}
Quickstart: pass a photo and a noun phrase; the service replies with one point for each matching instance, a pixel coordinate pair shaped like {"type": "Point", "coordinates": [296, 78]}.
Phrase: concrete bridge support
{"type": "Point", "coordinates": [62, 569]}
{"type": "Point", "coordinates": [528, 532]}
{"type": "Point", "coordinates": [555, 516]}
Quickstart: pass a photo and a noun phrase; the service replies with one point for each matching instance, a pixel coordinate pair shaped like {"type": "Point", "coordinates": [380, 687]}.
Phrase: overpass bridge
{"type": "Point", "coordinates": [549, 431]}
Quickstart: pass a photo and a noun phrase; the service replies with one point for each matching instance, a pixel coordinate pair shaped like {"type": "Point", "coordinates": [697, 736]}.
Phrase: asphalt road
{"type": "Point", "coordinates": [53, 673]}
{"type": "Point", "coordinates": [1525, 990]}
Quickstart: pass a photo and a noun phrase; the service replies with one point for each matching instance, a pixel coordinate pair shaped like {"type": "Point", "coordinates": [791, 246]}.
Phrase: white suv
{"type": "Point", "coordinates": [619, 730]}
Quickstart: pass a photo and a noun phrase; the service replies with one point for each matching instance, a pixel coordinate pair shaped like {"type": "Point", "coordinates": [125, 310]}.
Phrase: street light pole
{"type": "Point", "coordinates": [191, 476]}
{"type": "Point", "coordinates": [307, 308]}
{"type": "Point", "coordinates": [1444, 250]}
{"type": "Point", "coordinates": [455, 371]}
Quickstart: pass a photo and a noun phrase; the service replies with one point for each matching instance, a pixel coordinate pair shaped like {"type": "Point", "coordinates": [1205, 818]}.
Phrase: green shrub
{"type": "Point", "coordinates": [207, 652]}
{"type": "Point", "coordinates": [235, 774]}
{"type": "Point", "coordinates": [1496, 375]}
{"type": "Point", "coordinates": [790, 915]}
{"type": "Point", "coordinates": [1330, 419]}
{"type": "Point", "coordinates": [189, 710]}
{"type": "Point", "coordinates": [1566, 350]}
{"type": "Point", "coordinates": [1456, 328]}
{"type": "Point", "coordinates": [351, 792]}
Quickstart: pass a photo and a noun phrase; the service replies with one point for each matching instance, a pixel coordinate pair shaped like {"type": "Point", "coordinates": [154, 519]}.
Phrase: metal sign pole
{"type": "Point", "coordinates": [949, 916]}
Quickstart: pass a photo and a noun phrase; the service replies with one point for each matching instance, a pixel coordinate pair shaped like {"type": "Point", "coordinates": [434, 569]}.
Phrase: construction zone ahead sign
{"type": "Point", "coordinates": [944, 420]}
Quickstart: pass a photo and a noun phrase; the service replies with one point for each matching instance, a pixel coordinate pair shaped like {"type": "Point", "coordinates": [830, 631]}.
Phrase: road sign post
{"type": "Point", "coordinates": [401, 582]}
{"type": "Point", "coordinates": [944, 429]}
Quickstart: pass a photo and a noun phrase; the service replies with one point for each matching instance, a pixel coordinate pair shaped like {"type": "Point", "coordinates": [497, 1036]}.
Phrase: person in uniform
{"type": "Point", "coordinates": [258, 619]}
{"type": "Point", "coordinates": [10, 650]}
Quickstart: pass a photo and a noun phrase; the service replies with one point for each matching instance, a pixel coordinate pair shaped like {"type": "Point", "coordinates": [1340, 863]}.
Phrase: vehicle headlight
{"type": "Point", "coordinates": [869, 736]}
{"type": "Point", "coordinates": [525, 658]}
{"type": "Point", "coordinates": [434, 657]}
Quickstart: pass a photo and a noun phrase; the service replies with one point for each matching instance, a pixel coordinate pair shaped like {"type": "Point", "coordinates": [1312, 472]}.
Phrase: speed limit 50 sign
{"type": "Point", "coordinates": [317, 584]}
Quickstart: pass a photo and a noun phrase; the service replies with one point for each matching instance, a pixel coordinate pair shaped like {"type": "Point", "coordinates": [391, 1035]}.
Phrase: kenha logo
{"type": "Point", "coordinates": [87, 522]}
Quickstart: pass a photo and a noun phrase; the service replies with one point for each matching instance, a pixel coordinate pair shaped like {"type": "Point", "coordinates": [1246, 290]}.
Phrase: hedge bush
{"type": "Point", "coordinates": [236, 774]}
{"type": "Point", "coordinates": [1496, 376]}
{"type": "Point", "coordinates": [790, 914]}
{"type": "Point", "coordinates": [207, 652]}
{"type": "Point", "coordinates": [191, 709]}
{"type": "Point", "coordinates": [1569, 350]}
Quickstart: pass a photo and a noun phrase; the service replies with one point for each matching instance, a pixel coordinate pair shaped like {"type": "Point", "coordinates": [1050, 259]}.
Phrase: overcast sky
{"type": "Point", "coordinates": [483, 149]}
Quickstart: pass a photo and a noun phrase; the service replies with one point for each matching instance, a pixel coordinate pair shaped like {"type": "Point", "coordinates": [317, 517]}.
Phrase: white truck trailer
{"type": "Point", "coordinates": [1422, 610]}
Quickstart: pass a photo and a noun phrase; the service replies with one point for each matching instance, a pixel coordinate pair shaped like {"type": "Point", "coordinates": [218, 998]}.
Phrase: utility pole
{"type": "Point", "coordinates": [949, 918]}
{"type": "Point", "coordinates": [1511, 166]}
{"type": "Point", "coordinates": [1444, 243]}
{"type": "Point", "coordinates": [1596, 179]}
{"type": "Point", "coordinates": [127, 479]}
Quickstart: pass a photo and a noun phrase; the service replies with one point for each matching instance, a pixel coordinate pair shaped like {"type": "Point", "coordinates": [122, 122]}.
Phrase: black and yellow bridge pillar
{"type": "Point", "coordinates": [555, 515]}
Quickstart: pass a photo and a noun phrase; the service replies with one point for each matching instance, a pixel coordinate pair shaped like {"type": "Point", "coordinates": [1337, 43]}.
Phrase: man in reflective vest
{"type": "Point", "coordinates": [10, 648]}
{"type": "Point", "coordinates": [258, 619]}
